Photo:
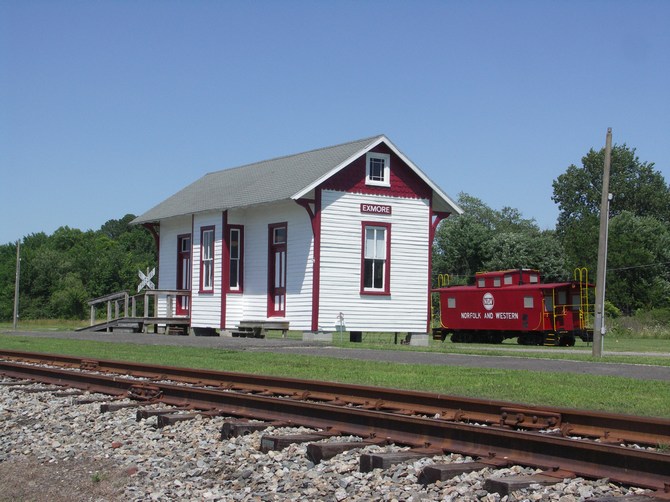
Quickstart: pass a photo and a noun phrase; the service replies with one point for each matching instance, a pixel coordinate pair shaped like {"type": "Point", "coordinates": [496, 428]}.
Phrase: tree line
{"type": "Point", "coordinates": [62, 271]}
{"type": "Point", "coordinates": [638, 265]}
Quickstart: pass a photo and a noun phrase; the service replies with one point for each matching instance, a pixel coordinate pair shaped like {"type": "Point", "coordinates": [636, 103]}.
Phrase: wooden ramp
{"type": "Point", "coordinates": [173, 325]}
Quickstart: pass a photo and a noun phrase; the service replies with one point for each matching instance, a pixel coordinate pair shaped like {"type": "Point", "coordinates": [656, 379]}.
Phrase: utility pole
{"type": "Point", "coordinates": [16, 284]}
{"type": "Point", "coordinates": [599, 322]}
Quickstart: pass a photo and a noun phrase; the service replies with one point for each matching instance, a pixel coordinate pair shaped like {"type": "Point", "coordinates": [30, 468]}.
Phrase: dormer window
{"type": "Point", "coordinates": [378, 169]}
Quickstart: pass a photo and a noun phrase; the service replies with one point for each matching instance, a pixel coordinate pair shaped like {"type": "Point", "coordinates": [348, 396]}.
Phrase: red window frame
{"type": "Point", "coordinates": [203, 287]}
{"type": "Point", "coordinates": [277, 291]}
{"type": "Point", "coordinates": [184, 272]}
{"type": "Point", "coordinates": [240, 260]}
{"type": "Point", "coordinates": [386, 290]}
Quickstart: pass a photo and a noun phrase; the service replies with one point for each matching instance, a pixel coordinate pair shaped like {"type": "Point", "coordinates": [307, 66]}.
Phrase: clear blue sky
{"type": "Point", "coordinates": [109, 107]}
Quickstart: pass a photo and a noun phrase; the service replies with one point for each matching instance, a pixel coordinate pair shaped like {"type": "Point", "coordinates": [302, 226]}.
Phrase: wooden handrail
{"type": "Point", "coordinates": [107, 298]}
{"type": "Point", "coordinates": [116, 298]}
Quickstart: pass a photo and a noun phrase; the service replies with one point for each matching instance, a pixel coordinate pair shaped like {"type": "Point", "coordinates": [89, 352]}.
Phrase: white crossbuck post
{"type": "Point", "coordinates": [145, 279]}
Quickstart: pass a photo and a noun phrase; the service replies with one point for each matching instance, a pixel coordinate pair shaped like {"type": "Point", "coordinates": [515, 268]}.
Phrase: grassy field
{"type": "Point", "coordinates": [614, 394]}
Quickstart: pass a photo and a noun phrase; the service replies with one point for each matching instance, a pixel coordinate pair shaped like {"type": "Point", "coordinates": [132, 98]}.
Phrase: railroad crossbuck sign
{"type": "Point", "coordinates": [145, 279]}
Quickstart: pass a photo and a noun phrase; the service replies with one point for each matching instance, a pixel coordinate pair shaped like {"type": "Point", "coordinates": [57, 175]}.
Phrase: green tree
{"type": "Point", "coordinates": [635, 185]}
{"type": "Point", "coordinates": [529, 249]}
{"type": "Point", "coordinates": [639, 221]}
{"type": "Point", "coordinates": [483, 238]}
{"type": "Point", "coordinates": [638, 258]}
{"type": "Point", "coordinates": [61, 272]}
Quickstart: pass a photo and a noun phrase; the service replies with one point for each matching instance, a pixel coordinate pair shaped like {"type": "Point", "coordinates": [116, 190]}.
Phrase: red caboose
{"type": "Point", "coordinates": [515, 304]}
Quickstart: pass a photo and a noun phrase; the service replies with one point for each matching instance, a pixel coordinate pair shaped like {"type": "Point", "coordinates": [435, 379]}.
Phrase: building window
{"type": "Point", "coordinates": [236, 250]}
{"type": "Point", "coordinates": [378, 169]}
{"type": "Point", "coordinates": [207, 259]}
{"type": "Point", "coordinates": [376, 258]}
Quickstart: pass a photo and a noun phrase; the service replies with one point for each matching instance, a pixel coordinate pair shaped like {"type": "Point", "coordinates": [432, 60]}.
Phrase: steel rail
{"type": "Point", "coordinates": [606, 427]}
{"type": "Point", "coordinates": [634, 467]}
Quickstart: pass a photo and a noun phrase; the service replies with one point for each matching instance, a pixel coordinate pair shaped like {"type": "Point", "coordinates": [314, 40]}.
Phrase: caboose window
{"type": "Point", "coordinates": [548, 304]}
{"type": "Point", "coordinates": [376, 259]}
{"type": "Point", "coordinates": [576, 300]}
{"type": "Point", "coordinates": [508, 279]}
{"type": "Point", "coordinates": [451, 303]}
{"type": "Point", "coordinates": [528, 302]}
{"type": "Point", "coordinates": [481, 282]}
{"type": "Point", "coordinates": [496, 282]}
{"type": "Point", "coordinates": [562, 297]}
{"type": "Point", "coordinates": [534, 279]}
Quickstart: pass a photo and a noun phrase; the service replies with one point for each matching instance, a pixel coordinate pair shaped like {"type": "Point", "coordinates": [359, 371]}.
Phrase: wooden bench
{"type": "Point", "coordinates": [257, 329]}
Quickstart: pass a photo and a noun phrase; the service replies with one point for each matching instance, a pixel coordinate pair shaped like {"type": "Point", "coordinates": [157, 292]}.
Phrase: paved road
{"type": "Point", "coordinates": [289, 346]}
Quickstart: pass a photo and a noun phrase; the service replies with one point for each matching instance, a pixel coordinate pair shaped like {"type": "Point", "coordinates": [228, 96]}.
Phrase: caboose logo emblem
{"type": "Point", "coordinates": [488, 301]}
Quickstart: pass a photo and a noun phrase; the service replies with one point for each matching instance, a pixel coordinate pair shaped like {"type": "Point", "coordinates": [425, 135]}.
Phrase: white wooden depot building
{"type": "Point", "coordinates": [304, 238]}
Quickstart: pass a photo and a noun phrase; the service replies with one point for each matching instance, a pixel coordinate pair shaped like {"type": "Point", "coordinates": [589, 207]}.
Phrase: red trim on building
{"type": "Point", "coordinates": [315, 219]}
{"type": "Point", "coordinates": [275, 290]}
{"type": "Point", "coordinates": [435, 217]}
{"type": "Point", "coordinates": [190, 298]}
{"type": "Point", "coordinates": [387, 266]}
{"type": "Point", "coordinates": [404, 181]}
{"type": "Point", "coordinates": [181, 284]}
{"type": "Point", "coordinates": [224, 269]}
{"type": "Point", "coordinates": [152, 228]}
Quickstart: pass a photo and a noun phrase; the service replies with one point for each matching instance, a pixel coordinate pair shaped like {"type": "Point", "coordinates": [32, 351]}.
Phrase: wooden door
{"type": "Point", "coordinates": [183, 273]}
{"type": "Point", "coordinates": [277, 270]}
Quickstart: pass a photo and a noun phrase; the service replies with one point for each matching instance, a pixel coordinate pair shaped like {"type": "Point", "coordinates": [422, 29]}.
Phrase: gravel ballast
{"type": "Point", "coordinates": [54, 449]}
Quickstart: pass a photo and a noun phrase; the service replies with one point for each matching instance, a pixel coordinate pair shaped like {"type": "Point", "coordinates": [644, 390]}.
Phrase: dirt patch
{"type": "Point", "coordinates": [72, 480]}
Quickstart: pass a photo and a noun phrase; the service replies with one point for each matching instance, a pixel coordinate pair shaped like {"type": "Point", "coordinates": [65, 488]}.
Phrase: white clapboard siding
{"type": "Point", "coordinates": [252, 305]}
{"type": "Point", "coordinates": [406, 309]}
{"type": "Point", "coordinates": [206, 307]}
{"type": "Point", "coordinates": [167, 273]}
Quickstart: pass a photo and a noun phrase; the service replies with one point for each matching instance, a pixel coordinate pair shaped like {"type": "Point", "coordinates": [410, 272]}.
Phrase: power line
{"type": "Point", "coordinates": [639, 266]}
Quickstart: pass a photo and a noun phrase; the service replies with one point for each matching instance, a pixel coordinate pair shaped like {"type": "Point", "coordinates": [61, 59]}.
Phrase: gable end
{"type": "Point", "coordinates": [404, 182]}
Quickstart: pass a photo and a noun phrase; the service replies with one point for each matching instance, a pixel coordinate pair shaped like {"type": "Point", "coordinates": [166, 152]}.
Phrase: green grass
{"type": "Point", "coordinates": [651, 351]}
{"type": "Point", "coordinates": [45, 325]}
{"type": "Point", "coordinates": [614, 394]}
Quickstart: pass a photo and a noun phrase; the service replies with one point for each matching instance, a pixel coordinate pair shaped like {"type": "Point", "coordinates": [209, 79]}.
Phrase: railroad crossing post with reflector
{"type": "Point", "coordinates": [599, 321]}
{"type": "Point", "coordinates": [145, 279]}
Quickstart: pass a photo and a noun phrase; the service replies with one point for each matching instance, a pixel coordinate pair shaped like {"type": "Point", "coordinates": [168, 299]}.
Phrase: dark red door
{"type": "Point", "coordinates": [277, 270]}
{"type": "Point", "coordinates": [183, 272]}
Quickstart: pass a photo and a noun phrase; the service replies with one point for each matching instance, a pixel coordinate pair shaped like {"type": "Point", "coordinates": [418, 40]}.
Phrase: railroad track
{"type": "Point", "coordinates": [496, 433]}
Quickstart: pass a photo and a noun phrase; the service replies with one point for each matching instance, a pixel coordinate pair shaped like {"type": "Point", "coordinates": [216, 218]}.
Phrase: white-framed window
{"type": "Point", "coordinates": [481, 282]}
{"type": "Point", "coordinates": [375, 260]}
{"type": "Point", "coordinates": [534, 278]}
{"type": "Point", "coordinates": [496, 282]}
{"type": "Point", "coordinates": [207, 259]}
{"type": "Point", "coordinates": [528, 302]}
{"type": "Point", "coordinates": [236, 250]}
{"type": "Point", "coordinates": [508, 280]}
{"type": "Point", "coordinates": [378, 169]}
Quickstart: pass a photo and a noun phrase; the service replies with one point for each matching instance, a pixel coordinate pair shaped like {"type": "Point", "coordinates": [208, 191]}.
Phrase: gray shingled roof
{"type": "Point", "coordinates": [258, 183]}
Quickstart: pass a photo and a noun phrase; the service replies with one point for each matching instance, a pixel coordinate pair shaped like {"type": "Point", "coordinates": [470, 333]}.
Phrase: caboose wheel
{"type": "Point", "coordinates": [567, 341]}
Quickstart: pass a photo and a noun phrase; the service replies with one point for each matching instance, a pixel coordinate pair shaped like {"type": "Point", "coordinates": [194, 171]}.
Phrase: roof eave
{"type": "Point", "coordinates": [452, 206]}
